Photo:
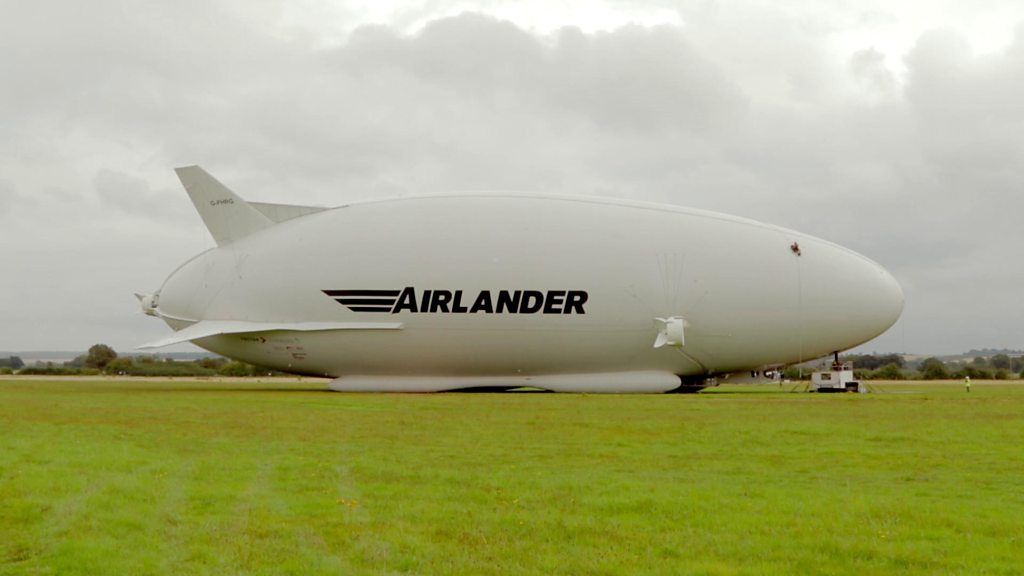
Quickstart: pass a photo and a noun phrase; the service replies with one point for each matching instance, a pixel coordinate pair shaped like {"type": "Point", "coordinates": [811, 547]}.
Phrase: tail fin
{"type": "Point", "coordinates": [225, 214]}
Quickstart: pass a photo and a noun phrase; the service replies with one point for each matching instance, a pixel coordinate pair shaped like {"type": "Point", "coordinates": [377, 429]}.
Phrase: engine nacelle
{"type": "Point", "coordinates": [149, 303]}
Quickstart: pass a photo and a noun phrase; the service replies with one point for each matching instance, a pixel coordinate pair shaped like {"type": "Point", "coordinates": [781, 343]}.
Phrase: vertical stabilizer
{"type": "Point", "coordinates": [225, 214]}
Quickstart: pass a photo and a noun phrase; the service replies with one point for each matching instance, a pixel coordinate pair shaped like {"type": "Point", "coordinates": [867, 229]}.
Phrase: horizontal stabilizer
{"type": "Point", "coordinates": [281, 212]}
{"type": "Point", "coordinates": [206, 328]}
{"type": "Point", "coordinates": [227, 216]}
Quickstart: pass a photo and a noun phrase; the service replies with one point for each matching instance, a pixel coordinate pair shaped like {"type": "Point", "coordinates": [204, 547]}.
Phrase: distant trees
{"type": "Point", "coordinates": [890, 371]}
{"type": "Point", "coordinates": [51, 369]}
{"type": "Point", "coordinates": [933, 369]}
{"type": "Point", "coordinates": [212, 363]}
{"type": "Point", "coordinates": [119, 366]}
{"type": "Point", "coordinates": [102, 359]}
{"type": "Point", "coordinates": [12, 363]}
{"type": "Point", "coordinates": [998, 366]}
{"type": "Point", "coordinates": [235, 368]}
{"type": "Point", "coordinates": [973, 371]}
{"type": "Point", "coordinates": [167, 367]}
{"type": "Point", "coordinates": [1000, 362]}
{"type": "Point", "coordinates": [99, 356]}
{"type": "Point", "coordinates": [873, 361]}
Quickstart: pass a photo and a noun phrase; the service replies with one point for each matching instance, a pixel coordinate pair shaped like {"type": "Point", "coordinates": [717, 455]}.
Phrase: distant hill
{"type": "Point", "coordinates": [992, 352]}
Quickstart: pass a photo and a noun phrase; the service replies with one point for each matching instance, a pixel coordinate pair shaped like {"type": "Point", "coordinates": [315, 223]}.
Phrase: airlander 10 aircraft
{"type": "Point", "coordinates": [502, 291]}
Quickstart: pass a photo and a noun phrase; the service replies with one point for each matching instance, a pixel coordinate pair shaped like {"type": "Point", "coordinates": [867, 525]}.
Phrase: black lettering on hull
{"type": "Point", "coordinates": [508, 302]}
{"type": "Point", "coordinates": [454, 302]}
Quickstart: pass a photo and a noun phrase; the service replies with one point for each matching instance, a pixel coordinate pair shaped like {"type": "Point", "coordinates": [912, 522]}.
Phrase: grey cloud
{"type": "Point", "coordinates": [869, 67]}
{"type": "Point", "coordinates": [644, 78]}
{"type": "Point", "coordinates": [634, 78]}
{"type": "Point", "coordinates": [738, 111]}
{"type": "Point", "coordinates": [970, 109]}
{"type": "Point", "coordinates": [8, 197]}
{"type": "Point", "coordinates": [134, 196]}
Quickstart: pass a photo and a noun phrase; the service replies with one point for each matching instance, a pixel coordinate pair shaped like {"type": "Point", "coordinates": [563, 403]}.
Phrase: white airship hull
{"type": "Point", "coordinates": [440, 292]}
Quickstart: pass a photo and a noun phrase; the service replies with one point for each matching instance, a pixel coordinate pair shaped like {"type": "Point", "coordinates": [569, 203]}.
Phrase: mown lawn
{"type": "Point", "coordinates": [175, 477]}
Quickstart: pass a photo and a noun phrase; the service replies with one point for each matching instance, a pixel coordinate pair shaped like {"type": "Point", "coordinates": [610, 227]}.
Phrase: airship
{"type": "Point", "coordinates": [498, 291]}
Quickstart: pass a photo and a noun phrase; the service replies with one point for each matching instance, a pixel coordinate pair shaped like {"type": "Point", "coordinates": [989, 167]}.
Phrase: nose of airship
{"type": "Point", "coordinates": [891, 299]}
{"type": "Point", "coordinates": [846, 298]}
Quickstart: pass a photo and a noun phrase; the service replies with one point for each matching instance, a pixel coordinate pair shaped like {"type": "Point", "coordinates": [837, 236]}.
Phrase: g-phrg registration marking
{"type": "Point", "coordinates": [460, 302]}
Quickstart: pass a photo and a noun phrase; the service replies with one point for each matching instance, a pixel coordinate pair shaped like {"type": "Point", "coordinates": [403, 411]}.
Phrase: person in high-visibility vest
{"type": "Point", "coordinates": [967, 383]}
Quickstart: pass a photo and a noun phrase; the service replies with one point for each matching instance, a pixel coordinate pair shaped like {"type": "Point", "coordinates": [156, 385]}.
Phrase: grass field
{"type": "Point", "coordinates": [178, 477]}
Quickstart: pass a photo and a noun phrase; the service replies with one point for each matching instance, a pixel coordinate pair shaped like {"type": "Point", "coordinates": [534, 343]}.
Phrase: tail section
{"type": "Point", "coordinates": [227, 216]}
{"type": "Point", "coordinates": [282, 212]}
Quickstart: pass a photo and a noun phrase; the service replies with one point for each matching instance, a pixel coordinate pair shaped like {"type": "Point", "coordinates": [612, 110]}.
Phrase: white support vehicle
{"type": "Point", "coordinates": [839, 378]}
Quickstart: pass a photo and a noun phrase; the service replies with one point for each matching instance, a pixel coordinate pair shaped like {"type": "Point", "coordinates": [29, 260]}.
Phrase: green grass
{"type": "Point", "coordinates": [172, 477]}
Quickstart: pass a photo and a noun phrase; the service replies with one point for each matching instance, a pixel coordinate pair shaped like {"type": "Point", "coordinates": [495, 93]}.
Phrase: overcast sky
{"type": "Point", "coordinates": [894, 129]}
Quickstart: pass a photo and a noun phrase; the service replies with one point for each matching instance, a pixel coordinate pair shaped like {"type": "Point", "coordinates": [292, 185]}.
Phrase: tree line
{"type": "Point", "coordinates": [894, 367]}
{"type": "Point", "coordinates": [102, 359]}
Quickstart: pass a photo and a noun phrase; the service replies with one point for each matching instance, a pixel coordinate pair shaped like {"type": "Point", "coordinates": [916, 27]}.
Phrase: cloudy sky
{"type": "Point", "coordinates": [894, 129]}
